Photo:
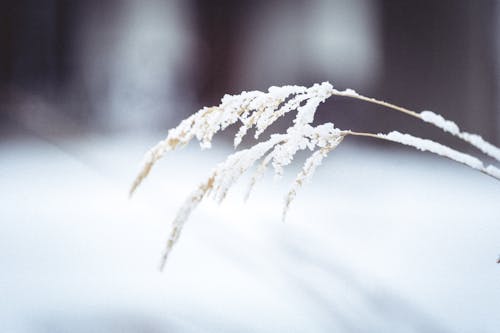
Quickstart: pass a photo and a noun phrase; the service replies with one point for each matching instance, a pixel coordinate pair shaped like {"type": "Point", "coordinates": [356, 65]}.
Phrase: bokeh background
{"type": "Point", "coordinates": [130, 65]}
{"type": "Point", "coordinates": [386, 239]}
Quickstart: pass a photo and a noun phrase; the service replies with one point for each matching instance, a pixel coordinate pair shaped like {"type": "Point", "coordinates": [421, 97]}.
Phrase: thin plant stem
{"type": "Point", "coordinates": [379, 102]}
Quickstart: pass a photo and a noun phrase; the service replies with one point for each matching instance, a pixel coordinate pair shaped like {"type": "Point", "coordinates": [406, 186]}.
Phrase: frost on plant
{"type": "Point", "coordinates": [257, 110]}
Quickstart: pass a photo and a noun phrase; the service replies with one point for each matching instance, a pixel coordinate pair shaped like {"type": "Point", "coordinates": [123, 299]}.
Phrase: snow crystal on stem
{"type": "Point", "coordinates": [434, 147]}
{"type": "Point", "coordinates": [439, 149]}
{"type": "Point", "coordinates": [450, 127]}
{"type": "Point", "coordinates": [310, 166]}
{"type": "Point", "coordinates": [478, 142]}
{"type": "Point", "coordinates": [183, 214]}
{"type": "Point", "coordinates": [347, 92]}
{"type": "Point", "coordinates": [439, 121]}
{"type": "Point", "coordinates": [227, 172]}
{"type": "Point", "coordinates": [493, 171]}
{"type": "Point", "coordinates": [257, 109]}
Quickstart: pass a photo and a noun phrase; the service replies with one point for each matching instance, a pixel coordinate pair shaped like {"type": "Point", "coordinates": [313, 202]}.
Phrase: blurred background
{"type": "Point", "coordinates": [87, 86]}
{"type": "Point", "coordinates": [138, 66]}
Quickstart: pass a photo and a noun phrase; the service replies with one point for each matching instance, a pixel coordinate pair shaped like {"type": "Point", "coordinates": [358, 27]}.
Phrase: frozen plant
{"type": "Point", "coordinates": [257, 109]}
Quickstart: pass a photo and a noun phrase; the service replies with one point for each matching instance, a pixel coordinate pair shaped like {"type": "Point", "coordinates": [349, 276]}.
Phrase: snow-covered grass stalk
{"type": "Point", "coordinates": [257, 109]}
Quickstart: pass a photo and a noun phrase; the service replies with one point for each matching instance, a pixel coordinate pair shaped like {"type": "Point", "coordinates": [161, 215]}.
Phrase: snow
{"type": "Point", "coordinates": [379, 241]}
{"type": "Point", "coordinates": [305, 175]}
{"type": "Point", "coordinates": [439, 121]}
{"type": "Point", "coordinates": [493, 170]}
{"type": "Point", "coordinates": [434, 147]}
{"type": "Point", "coordinates": [347, 92]}
{"type": "Point", "coordinates": [450, 127]}
{"type": "Point", "coordinates": [253, 108]}
{"type": "Point", "coordinates": [481, 144]}
{"type": "Point", "coordinates": [258, 109]}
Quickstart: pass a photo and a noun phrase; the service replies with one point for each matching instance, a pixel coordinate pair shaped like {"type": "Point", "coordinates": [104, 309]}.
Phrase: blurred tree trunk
{"type": "Point", "coordinates": [36, 48]}
{"type": "Point", "coordinates": [219, 28]}
{"type": "Point", "coordinates": [440, 55]}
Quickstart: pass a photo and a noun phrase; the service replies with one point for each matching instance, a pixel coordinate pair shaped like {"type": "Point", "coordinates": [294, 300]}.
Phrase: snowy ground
{"type": "Point", "coordinates": [379, 241]}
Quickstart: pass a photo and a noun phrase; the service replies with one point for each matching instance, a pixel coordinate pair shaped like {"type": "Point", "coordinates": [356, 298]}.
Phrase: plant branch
{"type": "Point", "coordinates": [352, 94]}
{"type": "Point", "coordinates": [433, 147]}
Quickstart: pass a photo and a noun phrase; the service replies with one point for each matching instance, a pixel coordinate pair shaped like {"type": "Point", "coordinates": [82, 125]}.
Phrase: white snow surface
{"type": "Point", "coordinates": [378, 241]}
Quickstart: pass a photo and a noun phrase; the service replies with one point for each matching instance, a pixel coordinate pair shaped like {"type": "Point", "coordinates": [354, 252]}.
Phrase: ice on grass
{"type": "Point", "coordinates": [258, 110]}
